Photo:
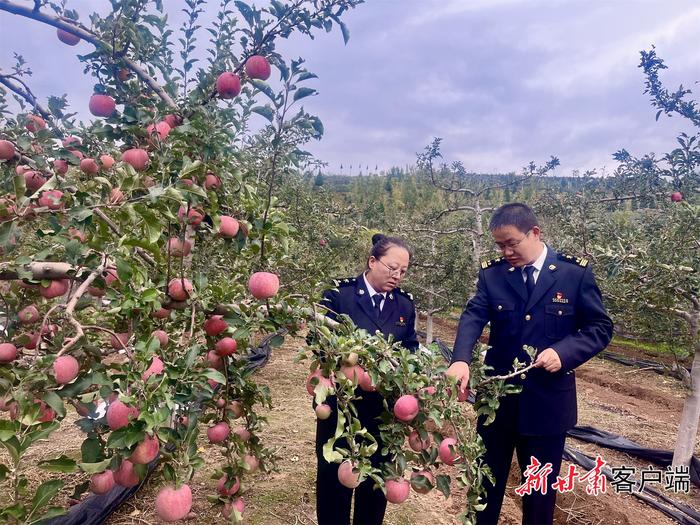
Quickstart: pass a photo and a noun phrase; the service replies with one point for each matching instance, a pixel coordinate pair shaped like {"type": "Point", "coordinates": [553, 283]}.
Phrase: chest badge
{"type": "Point", "coordinates": [559, 298]}
{"type": "Point", "coordinates": [401, 322]}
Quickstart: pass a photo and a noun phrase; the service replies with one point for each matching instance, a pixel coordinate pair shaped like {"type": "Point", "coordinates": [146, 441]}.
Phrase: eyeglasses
{"type": "Point", "coordinates": [392, 271]}
{"type": "Point", "coordinates": [511, 245]}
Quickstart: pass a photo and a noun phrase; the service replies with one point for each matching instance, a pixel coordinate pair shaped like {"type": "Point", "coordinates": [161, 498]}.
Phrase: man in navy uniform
{"type": "Point", "coordinates": [537, 297]}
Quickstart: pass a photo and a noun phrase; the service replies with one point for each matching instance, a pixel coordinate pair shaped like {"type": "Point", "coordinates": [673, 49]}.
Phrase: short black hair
{"type": "Point", "coordinates": [381, 244]}
{"type": "Point", "coordinates": [514, 214]}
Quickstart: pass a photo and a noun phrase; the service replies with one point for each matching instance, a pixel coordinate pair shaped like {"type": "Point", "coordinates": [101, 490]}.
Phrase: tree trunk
{"type": "Point", "coordinates": [429, 328]}
{"type": "Point", "coordinates": [685, 440]}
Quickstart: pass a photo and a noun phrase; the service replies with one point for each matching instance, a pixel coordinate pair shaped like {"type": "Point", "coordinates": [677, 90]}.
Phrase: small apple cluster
{"type": "Point", "coordinates": [423, 407]}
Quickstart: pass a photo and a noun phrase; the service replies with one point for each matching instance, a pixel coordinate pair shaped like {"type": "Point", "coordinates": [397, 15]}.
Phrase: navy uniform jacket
{"type": "Point", "coordinates": [397, 317]}
{"type": "Point", "coordinates": [565, 312]}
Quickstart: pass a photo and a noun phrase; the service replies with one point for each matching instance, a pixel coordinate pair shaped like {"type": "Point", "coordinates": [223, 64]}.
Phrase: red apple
{"type": "Point", "coordinates": [178, 248]}
{"type": "Point", "coordinates": [194, 216]}
{"type": "Point", "coordinates": [263, 285]}
{"type": "Point", "coordinates": [446, 455]}
{"type": "Point", "coordinates": [119, 414]}
{"type": "Point", "coordinates": [8, 353]}
{"type": "Point", "coordinates": [33, 180]}
{"type": "Point", "coordinates": [28, 315]}
{"type": "Point", "coordinates": [173, 504]}
{"type": "Point", "coordinates": [323, 411]}
{"type": "Point", "coordinates": [162, 337]}
{"type": "Point", "coordinates": [226, 346]}
{"type": "Point", "coordinates": [316, 377]}
{"type": "Point", "coordinates": [55, 288]}
{"type": "Point", "coordinates": [126, 475]}
{"type": "Point", "coordinates": [180, 289]}
{"type": "Point", "coordinates": [66, 37]}
{"type": "Point", "coordinates": [228, 85]}
{"type": "Point", "coordinates": [251, 463]}
{"type": "Point", "coordinates": [416, 443]}
{"type": "Point", "coordinates": [102, 483]}
{"type": "Point", "coordinates": [60, 166]}
{"type": "Point", "coordinates": [417, 481]}
{"type": "Point", "coordinates": [406, 408]}
{"type": "Point", "coordinates": [162, 129]}
{"type": "Point", "coordinates": [226, 492]}
{"type": "Point", "coordinates": [35, 123]}
{"type": "Point", "coordinates": [215, 325]}
{"type": "Point", "coordinates": [346, 476]}
{"type": "Point", "coordinates": [89, 166]}
{"type": "Point", "coordinates": [102, 105]}
{"type": "Point", "coordinates": [236, 409]}
{"type": "Point", "coordinates": [74, 233]}
{"type": "Point", "coordinates": [219, 432]}
{"type": "Point", "coordinates": [238, 504]}
{"type": "Point", "coordinates": [366, 382]}
{"type": "Point", "coordinates": [71, 140]}
{"type": "Point", "coordinates": [120, 341]}
{"type": "Point", "coordinates": [161, 313]}
{"type": "Point", "coordinates": [155, 368]}
{"type": "Point", "coordinates": [215, 360]}
{"type": "Point", "coordinates": [211, 181]}
{"type": "Point", "coordinates": [7, 150]}
{"type": "Point", "coordinates": [107, 161]}
{"type": "Point", "coordinates": [258, 67]}
{"type": "Point", "coordinates": [397, 490]}
{"type": "Point", "coordinates": [173, 120]}
{"type": "Point", "coordinates": [65, 369]}
{"type": "Point", "coordinates": [228, 227]}
{"type": "Point", "coordinates": [136, 158]}
{"type": "Point", "coordinates": [116, 196]}
{"type": "Point", "coordinates": [676, 196]}
{"type": "Point", "coordinates": [242, 433]}
{"type": "Point", "coordinates": [51, 199]}
{"type": "Point", "coordinates": [146, 451]}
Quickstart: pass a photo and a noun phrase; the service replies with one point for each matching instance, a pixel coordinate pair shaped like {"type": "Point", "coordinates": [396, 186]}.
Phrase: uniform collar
{"type": "Point", "coordinates": [372, 292]}
{"type": "Point", "coordinates": [539, 262]}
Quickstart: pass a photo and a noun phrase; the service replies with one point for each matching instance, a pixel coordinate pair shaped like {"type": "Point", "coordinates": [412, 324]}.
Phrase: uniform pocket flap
{"type": "Point", "coordinates": [559, 309]}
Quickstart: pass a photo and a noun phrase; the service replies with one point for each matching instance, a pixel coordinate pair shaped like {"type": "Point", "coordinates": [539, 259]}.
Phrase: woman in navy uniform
{"type": "Point", "coordinates": [531, 296]}
{"type": "Point", "coordinates": [375, 303]}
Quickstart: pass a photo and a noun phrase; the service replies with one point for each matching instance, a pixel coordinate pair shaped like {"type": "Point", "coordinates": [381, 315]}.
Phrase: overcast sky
{"type": "Point", "coordinates": [502, 82]}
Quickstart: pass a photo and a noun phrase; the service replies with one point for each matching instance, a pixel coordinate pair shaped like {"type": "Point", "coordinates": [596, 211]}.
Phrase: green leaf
{"type": "Point", "coordinates": [262, 86]}
{"type": "Point", "coordinates": [13, 447]}
{"type": "Point", "coordinates": [54, 401]}
{"type": "Point", "coordinates": [276, 341]}
{"type": "Point", "coordinates": [94, 468]}
{"type": "Point", "coordinates": [246, 11]}
{"type": "Point", "coordinates": [45, 493]}
{"type": "Point", "coordinates": [217, 376]}
{"type": "Point", "coordinates": [4, 471]}
{"type": "Point", "coordinates": [8, 429]}
{"type": "Point", "coordinates": [51, 512]}
{"type": "Point", "coordinates": [346, 32]}
{"type": "Point", "coordinates": [60, 464]}
{"type": "Point", "coordinates": [303, 92]}
{"type": "Point", "coordinates": [90, 450]}
{"type": "Point", "coordinates": [265, 111]}
{"type": "Point", "coordinates": [443, 484]}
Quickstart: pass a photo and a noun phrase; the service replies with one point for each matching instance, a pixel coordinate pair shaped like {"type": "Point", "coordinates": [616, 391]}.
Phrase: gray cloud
{"type": "Point", "coordinates": [502, 81]}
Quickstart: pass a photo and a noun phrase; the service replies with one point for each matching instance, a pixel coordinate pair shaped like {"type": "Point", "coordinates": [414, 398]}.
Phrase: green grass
{"type": "Point", "coordinates": [656, 348]}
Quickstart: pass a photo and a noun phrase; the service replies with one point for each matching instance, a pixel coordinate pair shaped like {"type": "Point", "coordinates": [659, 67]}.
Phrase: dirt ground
{"type": "Point", "coordinates": [640, 405]}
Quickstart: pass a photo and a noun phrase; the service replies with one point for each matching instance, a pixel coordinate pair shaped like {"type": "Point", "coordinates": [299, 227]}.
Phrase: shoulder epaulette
{"type": "Point", "coordinates": [404, 293]}
{"type": "Point", "coordinates": [492, 262]}
{"type": "Point", "coordinates": [573, 259]}
{"type": "Point", "coordinates": [344, 282]}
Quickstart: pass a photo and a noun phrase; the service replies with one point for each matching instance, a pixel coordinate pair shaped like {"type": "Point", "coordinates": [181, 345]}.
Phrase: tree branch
{"type": "Point", "coordinates": [88, 36]}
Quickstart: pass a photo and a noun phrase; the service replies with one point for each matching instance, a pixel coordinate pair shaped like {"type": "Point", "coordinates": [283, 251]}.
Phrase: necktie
{"type": "Point", "coordinates": [529, 279]}
{"type": "Point", "coordinates": [377, 298]}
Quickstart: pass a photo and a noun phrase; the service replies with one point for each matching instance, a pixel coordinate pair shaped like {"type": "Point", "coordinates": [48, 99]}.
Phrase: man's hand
{"type": "Point", "coordinates": [460, 371]}
{"type": "Point", "coordinates": [547, 359]}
